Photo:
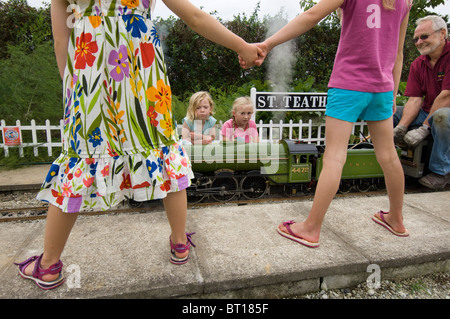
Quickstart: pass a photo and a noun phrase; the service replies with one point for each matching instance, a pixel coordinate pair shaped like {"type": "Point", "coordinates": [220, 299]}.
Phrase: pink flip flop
{"type": "Point", "coordinates": [381, 221]}
{"type": "Point", "coordinates": [294, 237]}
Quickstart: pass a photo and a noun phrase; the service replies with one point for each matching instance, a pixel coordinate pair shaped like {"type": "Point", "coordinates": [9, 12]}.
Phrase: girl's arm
{"type": "Point", "coordinates": [61, 32]}
{"type": "Point", "coordinates": [207, 26]}
{"type": "Point", "coordinates": [227, 133]}
{"type": "Point", "coordinates": [211, 134]}
{"type": "Point", "coordinates": [299, 25]}
{"type": "Point", "coordinates": [397, 71]}
{"type": "Point", "coordinates": [186, 132]}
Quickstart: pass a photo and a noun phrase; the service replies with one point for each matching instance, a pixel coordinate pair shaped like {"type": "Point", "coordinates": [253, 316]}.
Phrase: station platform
{"type": "Point", "coordinates": [238, 252]}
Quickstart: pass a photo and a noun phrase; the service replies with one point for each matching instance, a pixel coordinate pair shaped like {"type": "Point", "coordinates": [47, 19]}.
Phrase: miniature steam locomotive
{"type": "Point", "coordinates": [226, 170]}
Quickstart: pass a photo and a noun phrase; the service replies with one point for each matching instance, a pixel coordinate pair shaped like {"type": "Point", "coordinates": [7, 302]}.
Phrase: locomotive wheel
{"type": "Point", "coordinates": [290, 190]}
{"type": "Point", "coordinates": [364, 185]}
{"type": "Point", "coordinates": [224, 188]}
{"type": "Point", "coordinates": [379, 184]}
{"type": "Point", "coordinates": [134, 204]}
{"type": "Point", "coordinates": [345, 186]}
{"type": "Point", "coordinates": [253, 186]}
{"type": "Point", "coordinates": [195, 191]}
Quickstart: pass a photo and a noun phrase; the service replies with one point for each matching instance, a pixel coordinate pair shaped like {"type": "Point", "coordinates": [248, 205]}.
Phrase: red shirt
{"type": "Point", "coordinates": [427, 82]}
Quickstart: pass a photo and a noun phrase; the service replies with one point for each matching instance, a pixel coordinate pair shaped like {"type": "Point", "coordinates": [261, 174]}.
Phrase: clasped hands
{"type": "Point", "coordinates": [253, 55]}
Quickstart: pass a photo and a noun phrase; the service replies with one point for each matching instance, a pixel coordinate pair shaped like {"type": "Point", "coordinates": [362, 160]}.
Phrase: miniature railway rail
{"type": "Point", "coordinates": [21, 214]}
{"type": "Point", "coordinates": [40, 212]}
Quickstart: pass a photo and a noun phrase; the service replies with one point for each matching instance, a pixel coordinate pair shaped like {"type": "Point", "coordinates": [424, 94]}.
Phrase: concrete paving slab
{"type": "Point", "coordinates": [242, 248]}
{"type": "Point", "coordinates": [429, 234]}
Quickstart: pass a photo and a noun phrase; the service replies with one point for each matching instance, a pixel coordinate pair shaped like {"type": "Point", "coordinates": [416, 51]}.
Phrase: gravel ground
{"type": "Point", "coordinates": [433, 286]}
{"type": "Point", "coordinates": [18, 199]}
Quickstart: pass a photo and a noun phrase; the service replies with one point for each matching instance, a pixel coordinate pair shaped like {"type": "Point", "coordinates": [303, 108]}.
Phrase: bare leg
{"type": "Point", "coordinates": [176, 210]}
{"type": "Point", "coordinates": [337, 136]}
{"type": "Point", "coordinates": [383, 142]}
{"type": "Point", "coordinates": [57, 231]}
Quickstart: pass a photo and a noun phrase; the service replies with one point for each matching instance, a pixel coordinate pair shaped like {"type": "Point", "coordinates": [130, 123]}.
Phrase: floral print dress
{"type": "Point", "coordinates": [119, 136]}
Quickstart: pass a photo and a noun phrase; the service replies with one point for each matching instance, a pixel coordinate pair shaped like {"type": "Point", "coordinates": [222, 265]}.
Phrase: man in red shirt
{"type": "Point", "coordinates": [428, 106]}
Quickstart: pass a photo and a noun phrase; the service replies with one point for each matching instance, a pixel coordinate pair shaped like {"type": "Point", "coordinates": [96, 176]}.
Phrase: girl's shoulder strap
{"type": "Point", "coordinates": [212, 120]}
{"type": "Point", "coordinates": [189, 123]}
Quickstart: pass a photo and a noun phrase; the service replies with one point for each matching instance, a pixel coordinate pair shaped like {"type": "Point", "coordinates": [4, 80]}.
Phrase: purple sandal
{"type": "Point", "coordinates": [180, 248]}
{"type": "Point", "coordinates": [38, 272]}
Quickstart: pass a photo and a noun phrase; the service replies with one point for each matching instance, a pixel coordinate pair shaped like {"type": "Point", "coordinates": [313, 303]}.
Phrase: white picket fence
{"type": "Point", "coordinates": [41, 135]}
{"type": "Point", "coordinates": [33, 142]}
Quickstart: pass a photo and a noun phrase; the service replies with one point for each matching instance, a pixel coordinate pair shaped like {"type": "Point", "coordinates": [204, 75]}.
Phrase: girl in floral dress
{"type": "Point", "coordinates": [119, 136]}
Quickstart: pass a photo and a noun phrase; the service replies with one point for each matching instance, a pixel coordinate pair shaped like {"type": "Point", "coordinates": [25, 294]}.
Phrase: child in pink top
{"type": "Point", "coordinates": [240, 127]}
{"type": "Point", "coordinates": [363, 85]}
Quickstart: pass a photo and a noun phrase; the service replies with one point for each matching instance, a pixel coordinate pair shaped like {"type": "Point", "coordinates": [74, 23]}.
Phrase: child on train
{"type": "Point", "coordinates": [199, 123]}
{"type": "Point", "coordinates": [241, 127]}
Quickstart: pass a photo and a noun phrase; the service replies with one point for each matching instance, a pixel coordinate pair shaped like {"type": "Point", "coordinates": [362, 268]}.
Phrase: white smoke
{"type": "Point", "coordinates": [281, 61]}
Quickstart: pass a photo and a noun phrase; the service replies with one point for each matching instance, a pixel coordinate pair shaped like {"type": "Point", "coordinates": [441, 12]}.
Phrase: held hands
{"type": "Point", "coordinates": [250, 59]}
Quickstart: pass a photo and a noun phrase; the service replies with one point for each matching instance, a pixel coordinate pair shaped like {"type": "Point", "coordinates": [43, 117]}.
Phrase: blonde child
{"type": "Point", "coordinates": [363, 85]}
{"type": "Point", "coordinates": [199, 123]}
{"type": "Point", "coordinates": [106, 156]}
{"type": "Point", "coordinates": [241, 127]}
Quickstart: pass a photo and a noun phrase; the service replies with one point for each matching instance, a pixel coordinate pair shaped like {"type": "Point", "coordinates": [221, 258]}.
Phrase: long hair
{"type": "Point", "coordinates": [390, 4]}
{"type": "Point", "coordinates": [387, 5]}
{"type": "Point", "coordinates": [195, 100]}
{"type": "Point", "coordinates": [240, 101]}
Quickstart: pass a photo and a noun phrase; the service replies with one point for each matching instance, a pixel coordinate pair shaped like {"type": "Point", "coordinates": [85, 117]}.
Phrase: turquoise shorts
{"type": "Point", "coordinates": [348, 105]}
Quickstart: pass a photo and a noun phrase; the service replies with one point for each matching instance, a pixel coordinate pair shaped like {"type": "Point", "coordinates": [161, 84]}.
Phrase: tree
{"type": "Point", "coordinates": [22, 24]}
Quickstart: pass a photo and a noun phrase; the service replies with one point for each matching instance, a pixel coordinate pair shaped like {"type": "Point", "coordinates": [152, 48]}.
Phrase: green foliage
{"type": "Point", "coordinates": [15, 160]}
{"type": "Point", "coordinates": [30, 85]}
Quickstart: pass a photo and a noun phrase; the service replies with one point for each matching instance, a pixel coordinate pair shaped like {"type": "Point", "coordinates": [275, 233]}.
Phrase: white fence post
{"type": "Point", "coordinates": [20, 134]}
{"type": "Point", "coordinates": [34, 138]}
{"type": "Point", "coordinates": [5, 147]}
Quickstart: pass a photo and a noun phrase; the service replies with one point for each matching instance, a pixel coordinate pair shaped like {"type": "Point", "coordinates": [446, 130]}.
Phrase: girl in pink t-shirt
{"type": "Point", "coordinates": [240, 127]}
{"type": "Point", "coordinates": [363, 85]}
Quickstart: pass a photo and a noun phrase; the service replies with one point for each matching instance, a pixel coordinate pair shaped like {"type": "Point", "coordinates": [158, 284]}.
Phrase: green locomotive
{"type": "Point", "coordinates": [228, 169]}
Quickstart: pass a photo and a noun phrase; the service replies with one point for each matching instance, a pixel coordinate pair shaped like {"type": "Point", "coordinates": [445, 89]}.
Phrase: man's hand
{"type": "Point", "coordinates": [399, 133]}
{"type": "Point", "coordinates": [414, 137]}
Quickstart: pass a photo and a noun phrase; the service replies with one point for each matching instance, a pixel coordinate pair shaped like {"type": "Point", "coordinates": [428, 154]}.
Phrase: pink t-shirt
{"type": "Point", "coordinates": [236, 134]}
{"type": "Point", "coordinates": [368, 46]}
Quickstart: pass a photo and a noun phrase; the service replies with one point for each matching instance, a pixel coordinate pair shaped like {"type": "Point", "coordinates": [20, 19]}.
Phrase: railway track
{"type": "Point", "coordinates": [30, 213]}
